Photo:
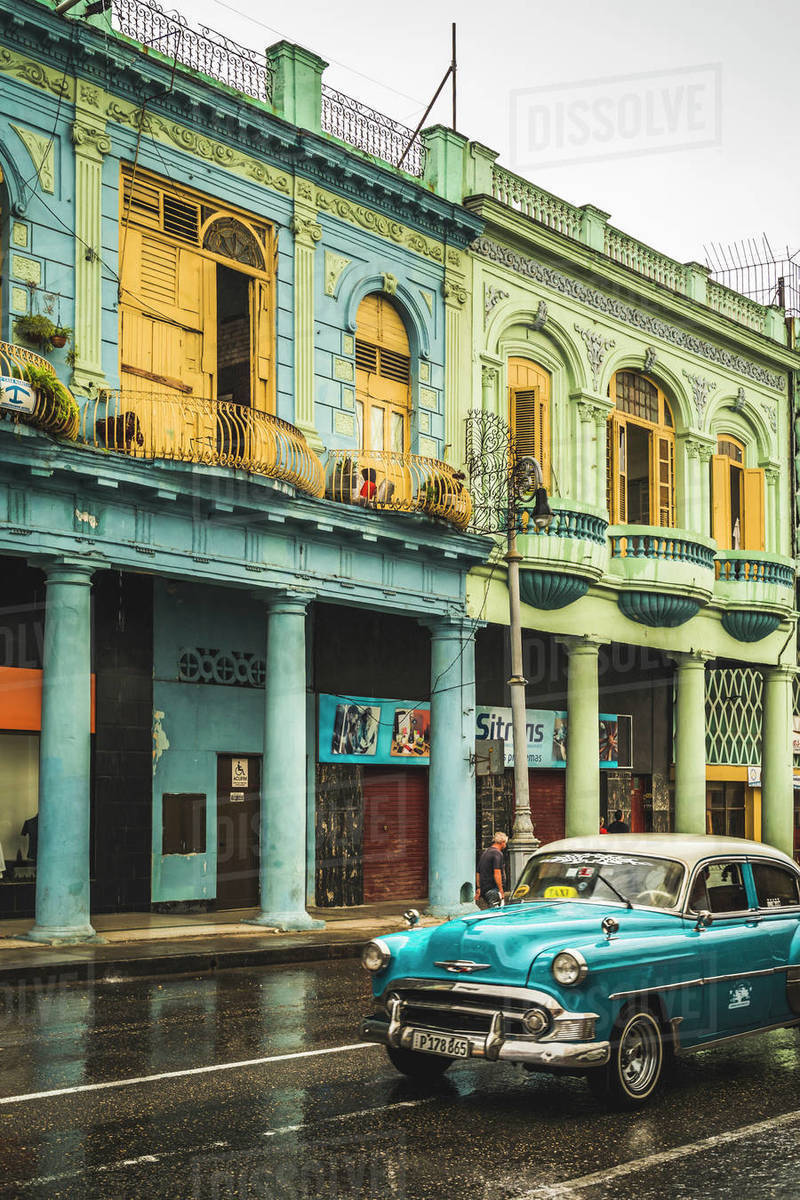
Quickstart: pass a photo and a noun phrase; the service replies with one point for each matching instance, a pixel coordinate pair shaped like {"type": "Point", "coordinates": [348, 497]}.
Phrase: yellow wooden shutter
{"type": "Point", "coordinates": [260, 341]}
{"type": "Point", "coordinates": [721, 529]}
{"type": "Point", "coordinates": [753, 532]}
{"type": "Point", "coordinates": [664, 511]}
{"type": "Point", "coordinates": [617, 464]}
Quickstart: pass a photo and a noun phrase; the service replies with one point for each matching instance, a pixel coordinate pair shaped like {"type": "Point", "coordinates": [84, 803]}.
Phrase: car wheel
{"type": "Point", "coordinates": [416, 1065]}
{"type": "Point", "coordinates": [637, 1061]}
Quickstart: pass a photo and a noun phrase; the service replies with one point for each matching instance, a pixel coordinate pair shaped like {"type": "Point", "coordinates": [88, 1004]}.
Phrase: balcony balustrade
{"type": "Point", "coordinates": [664, 576]}
{"type": "Point", "coordinates": [54, 408]}
{"type": "Point", "coordinates": [756, 589]}
{"type": "Point", "coordinates": [389, 481]}
{"type": "Point", "coordinates": [194, 430]}
{"type": "Point", "coordinates": [560, 562]}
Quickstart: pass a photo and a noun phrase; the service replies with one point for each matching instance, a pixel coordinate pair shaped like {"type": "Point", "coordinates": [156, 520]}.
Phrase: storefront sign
{"type": "Point", "coordinates": [16, 395]}
{"type": "Point", "coordinates": [547, 735]}
{"type": "Point", "coordinates": [363, 729]}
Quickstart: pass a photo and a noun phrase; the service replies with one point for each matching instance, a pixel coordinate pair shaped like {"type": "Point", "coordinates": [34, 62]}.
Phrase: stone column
{"type": "Point", "coordinates": [772, 520]}
{"type": "Point", "coordinates": [91, 144]}
{"type": "Point", "coordinates": [777, 786]}
{"type": "Point", "coordinates": [62, 865]}
{"type": "Point", "coordinates": [451, 782]}
{"type": "Point", "coordinates": [690, 743]}
{"type": "Point", "coordinates": [583, 737]}
{"type": "Point", "coordinates": [282, 856]}
{"type": "Point", "coordinates": [456, 365]}
{"type": "Point", "coordinates": [307, 232]}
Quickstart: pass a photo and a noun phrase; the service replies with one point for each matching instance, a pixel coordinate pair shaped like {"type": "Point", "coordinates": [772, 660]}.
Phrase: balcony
{"type": "Point", "coordinates": [664, 576]}
{"type": "Point", "coordinates": [189, 429]}
{"type": "Point", "coordinates": [389, 481]}
{"type": "Point", "coordinates": [46, 404]}
{"type": "Point", "coordinates": [560, 562]}
{"type": "Point", "coordinates": [757, 591]}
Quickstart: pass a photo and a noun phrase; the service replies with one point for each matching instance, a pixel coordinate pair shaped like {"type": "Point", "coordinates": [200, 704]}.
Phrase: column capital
{"type": "Point", "coordinates": [91, 140]}
{"type": "Point", "coordinates": [307, 232]}
{"type": "Point", "coordinates": [780, 672]}
{"type": "Point", "coordinates": [68, 570]}
{"type": "Point", "coordinates": [690, 658]}
{"type": "Point", "coordinates": [450, 625]}
{"type": "Point", "coordinates": [583, 644]}
{"type": "Point", "coordinates": [289, 601]}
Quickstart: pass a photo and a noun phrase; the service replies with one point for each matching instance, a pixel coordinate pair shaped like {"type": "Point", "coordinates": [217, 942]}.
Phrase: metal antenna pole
{"type": "Point", "coordinates": [453, 70]}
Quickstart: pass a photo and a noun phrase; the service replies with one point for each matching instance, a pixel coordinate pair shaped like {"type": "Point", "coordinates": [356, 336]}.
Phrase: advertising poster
{"type": "Point", "coordinates": [547, 735]}
{"type": "Point", "coordinates": [374, 732]}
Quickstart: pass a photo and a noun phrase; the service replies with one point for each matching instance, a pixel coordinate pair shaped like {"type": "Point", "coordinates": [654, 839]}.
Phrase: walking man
{"type": "Point", "coordinates": [489, 877]}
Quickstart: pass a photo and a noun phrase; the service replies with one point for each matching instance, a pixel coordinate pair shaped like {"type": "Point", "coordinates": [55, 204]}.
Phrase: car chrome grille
{"type": "Point", "coordinates": [450, 1013]}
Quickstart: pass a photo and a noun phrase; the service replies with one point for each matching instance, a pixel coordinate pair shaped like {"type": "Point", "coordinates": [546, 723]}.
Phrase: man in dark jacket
{"type": "Point", "coordinates": [489, 877]}
{"type": "Point", "coordinates": [618, 825]}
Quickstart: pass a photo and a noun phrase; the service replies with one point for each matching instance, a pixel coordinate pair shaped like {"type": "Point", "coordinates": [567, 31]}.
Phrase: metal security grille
{"type": "Point", "coordinates": [733, 716]}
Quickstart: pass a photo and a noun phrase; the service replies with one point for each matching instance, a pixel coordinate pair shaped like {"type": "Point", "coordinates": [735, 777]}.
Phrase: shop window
{"type": "Point", "coordinates": [196, 312]}
{"type": "Point", "coordinates": [383, 376]}
{"type": "Point", "coordinates": [529, 412]}
{"type": "Point", "coordinates": [737, 498]}
{"type": "Point", "coordinates": [641, 453]}
{"type": "Point", "coordinates": [725, 810]}
{"type": "Point", "coordinates": [183, 820]}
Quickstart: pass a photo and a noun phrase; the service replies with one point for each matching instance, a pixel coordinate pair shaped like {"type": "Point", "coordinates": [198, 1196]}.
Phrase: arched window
{"type": "Point", "coordinates": [641, 453]}
{"type": "Point", "coordinates": [529, 411]}
{"type": "Point", "coordinates": [737, 498]}
{"type": "Point", "coordinates": [383, 376]}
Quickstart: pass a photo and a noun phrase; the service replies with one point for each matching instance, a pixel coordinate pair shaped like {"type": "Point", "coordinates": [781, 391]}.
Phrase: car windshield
{"type": "Point", "coordinates": [652, 882]}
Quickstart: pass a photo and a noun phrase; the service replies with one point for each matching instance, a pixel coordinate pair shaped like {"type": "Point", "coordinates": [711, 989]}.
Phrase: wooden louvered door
{"type": "Point", "coordinates": [529, 412]}
{"type": "Point", "coordinates": [617, 457]}
{"type": "Point", "coordinates": [383, 377]}
{"type": "Point", "coordinates": [395, 834]}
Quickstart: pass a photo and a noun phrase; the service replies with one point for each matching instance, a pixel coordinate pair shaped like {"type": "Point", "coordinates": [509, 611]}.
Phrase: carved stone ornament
{"type": "Point", "coordinates": [428, 299]}
{"type": "Point", "coordinates": [389, 283]}
{"type": "Point", "coordinates": [739, 402]}
{"type": "Point", "coordinates": [592, 412]}
{"type": "Point", "coordinates": [491, 298]}
{"type": "Point", "coordinates": [488, 376]}
{"type": "Point", "coordinates": [335, 264]}
{"type": "Point", "coordinates": [306, 231]}
{"type": "Point", "coordinates": [40, 149]}
{"type": "Point", "coordinates": [649, 359]}
{"type": "Point", "coordinates": [454, 293]}
{"type": "Point", "coordinates": [597, 347]}
{"type": "Point", "coordinates": [701, 450]}
{"type": "Point", "coordinates": [701, 390]}
{"type": "Point", "coordinates": [627, 314]}
{"type": "Point", "coordinates": [771, 415]}
{"type": "Point", "coordinates": [91, 140]}
{"type": "Point", "coordinates": [540, 320]}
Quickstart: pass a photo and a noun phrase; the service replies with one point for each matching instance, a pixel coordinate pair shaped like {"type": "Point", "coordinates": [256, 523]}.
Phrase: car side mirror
{"type": "Point", "coordinates": [704, 919]}
{"type": "Point", "coordinates": [411, 918]}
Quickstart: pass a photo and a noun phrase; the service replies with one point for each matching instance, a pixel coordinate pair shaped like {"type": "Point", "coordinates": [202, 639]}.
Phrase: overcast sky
{"type": "Point", "coordinates": [679, 119]}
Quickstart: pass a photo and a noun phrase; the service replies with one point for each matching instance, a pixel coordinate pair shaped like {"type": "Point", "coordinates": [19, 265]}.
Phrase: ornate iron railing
{"type": "Point", "coordinates": [55, 410]}
{"type": "Point", "coordinates": [669, 547]}
{"type": "Point", "coordinates": [745, 569]}
{"type": "Point", "coordinates": [565, 524]}
{"type": "Point", "coordinates": [202, 49]}
{"type": "Point", "coordinates": [191, 429]}
{"type": "Point", "coordinates": [644, 260]}
{"type": "Point", "coordinates": [535, 202]}
{"type": "Point", "coordinates": [370, 130]}
{"type": "Point", "coordinates": [392, 482]}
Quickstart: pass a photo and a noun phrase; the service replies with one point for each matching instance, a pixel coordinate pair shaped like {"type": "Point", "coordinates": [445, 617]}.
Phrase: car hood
{"type": "Point", "coordinates": [505, 942]}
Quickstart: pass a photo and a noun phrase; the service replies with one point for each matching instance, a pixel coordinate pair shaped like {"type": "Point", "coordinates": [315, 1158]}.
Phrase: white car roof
{"type": "Point", "coordinates": [687, 848]}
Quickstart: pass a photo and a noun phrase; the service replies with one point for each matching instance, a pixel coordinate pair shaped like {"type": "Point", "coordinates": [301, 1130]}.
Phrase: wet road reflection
{"type": "Point", "coordinates": [338, 1124]}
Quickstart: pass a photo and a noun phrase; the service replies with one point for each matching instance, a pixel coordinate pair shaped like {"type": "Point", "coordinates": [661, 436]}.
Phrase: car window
{"type": "Point", "coordinates": [776, 886]}
{"type": "Point", "coordinates": [592, 875]}
{"type": "Point", "coordinates": [719, 887]}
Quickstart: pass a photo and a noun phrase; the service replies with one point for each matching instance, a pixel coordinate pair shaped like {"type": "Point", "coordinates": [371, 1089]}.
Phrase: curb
{"type": "Point", "coordinates": [200, 962]}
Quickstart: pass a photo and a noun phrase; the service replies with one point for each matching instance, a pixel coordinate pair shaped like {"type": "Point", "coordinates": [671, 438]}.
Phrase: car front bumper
{"type": "Point", "coordinates": [495, 1046]}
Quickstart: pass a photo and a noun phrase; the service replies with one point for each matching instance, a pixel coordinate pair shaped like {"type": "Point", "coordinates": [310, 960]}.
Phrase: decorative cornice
{"type": "Point", "coordinates": [375, 222]}
{"type": "Point", "coordinates": [628, 314]}
{"type": "Point", "coordinates": [37, 75]}
{"type": "Point", "coordinates": [701, 390]}
{"type": "Point", "coordinates": [597, 346]}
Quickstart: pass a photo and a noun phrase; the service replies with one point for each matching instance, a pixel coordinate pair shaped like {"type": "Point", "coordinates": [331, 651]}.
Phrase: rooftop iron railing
{"type": "Point", "coordinates": [195, 430]}
{"type": "Point", "coordinates": [390, 481]}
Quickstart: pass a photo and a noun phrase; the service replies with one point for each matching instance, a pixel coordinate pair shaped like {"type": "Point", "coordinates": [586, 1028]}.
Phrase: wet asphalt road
{"type": "Point", "coordinates": [343, 1123]}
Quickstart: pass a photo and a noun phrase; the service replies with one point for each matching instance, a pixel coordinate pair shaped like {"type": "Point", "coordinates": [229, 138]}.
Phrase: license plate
{"type": "Point", "coordinates": [439, 1043]}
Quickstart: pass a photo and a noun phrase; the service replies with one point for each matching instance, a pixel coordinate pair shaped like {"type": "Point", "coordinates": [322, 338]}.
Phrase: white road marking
{"type": "Point", "coordinates": [232, 1066]}
{"type": "Point", "coordinates": [104, 1168]}
{"type": "Point", "coordinates": [570, 1187]}
{"type": "Point", "coordinates": [346, 1116]}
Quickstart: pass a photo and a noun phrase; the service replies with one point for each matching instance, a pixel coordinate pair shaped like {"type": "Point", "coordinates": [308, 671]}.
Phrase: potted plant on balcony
{"type": "Point", "coordinates": [60, 336]}
{"type": "Point", "coordinates": [35, 328]}
{"type": "Point", "coordinates": [56, 408]}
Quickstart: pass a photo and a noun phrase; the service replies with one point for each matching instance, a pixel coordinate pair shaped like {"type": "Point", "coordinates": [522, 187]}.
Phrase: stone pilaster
{"type": "Point", "coordinates": [455, 302]}
{"type": "Point", "coordinates": [91, 144]}
{"type": "Point", "coordinates": [591, 427]}
{"type": "Point", "coordinates": [693, 499]}
{"type": "Point", "coordinates": [307, 233]}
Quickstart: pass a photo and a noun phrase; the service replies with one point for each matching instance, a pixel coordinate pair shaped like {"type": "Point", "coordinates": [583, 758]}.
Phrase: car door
{"type": "Point", "coordinates": [735, 953]}
{"type": "Point", "coordinates": [777, 894]}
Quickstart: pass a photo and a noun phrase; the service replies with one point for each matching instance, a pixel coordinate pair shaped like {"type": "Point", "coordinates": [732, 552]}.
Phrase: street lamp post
{"type": "Point", "coordinates": [526, 484]}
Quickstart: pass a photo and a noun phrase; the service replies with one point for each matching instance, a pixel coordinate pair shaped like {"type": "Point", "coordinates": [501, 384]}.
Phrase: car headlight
{"type": "Point", "coordinates": [569, 967]}
{"type": "Point", "coordinates": [375, 955]}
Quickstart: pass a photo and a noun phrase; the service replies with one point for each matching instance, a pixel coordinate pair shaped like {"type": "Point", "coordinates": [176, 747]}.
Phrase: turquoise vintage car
{"type": "Point", "coordinates": [613, 953]}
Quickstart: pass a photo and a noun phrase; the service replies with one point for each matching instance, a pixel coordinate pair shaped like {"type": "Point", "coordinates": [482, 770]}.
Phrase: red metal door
{"type": "Point", "coordinates": [395, 846]}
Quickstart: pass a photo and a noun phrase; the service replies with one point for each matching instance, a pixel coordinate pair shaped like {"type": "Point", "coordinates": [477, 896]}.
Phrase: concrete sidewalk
{"type": "Point", "coordinates": [139, 944]}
